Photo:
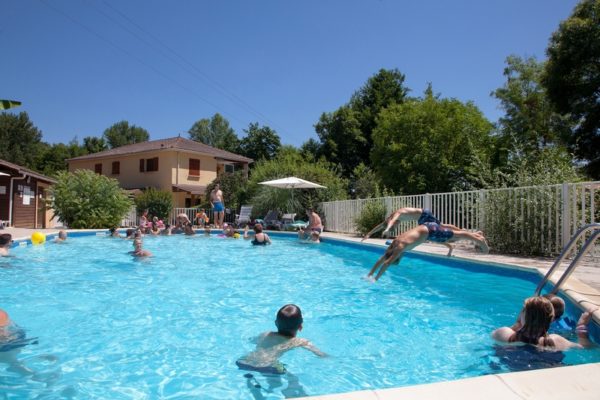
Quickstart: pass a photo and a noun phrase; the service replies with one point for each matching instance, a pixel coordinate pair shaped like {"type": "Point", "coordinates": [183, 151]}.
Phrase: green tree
{"type": "Point", "coordinates": [159, 203]}
{"type": "Point", "coordinates": [530, 123]}
{"type": "Point", "coordinates": [346, 134]}
{"type": "Point", "coordinates": [342, 140]}
{"type": "Point", "coordinates": [84, 199]}
{"type": "Point", "coordinates": [290, 162]}
{"type": "Point", "coordinates": [215, 132]}
{"type": "Point", "coordinates": [366, 183]}
{"type": "Point", "coordinates": [93, 144]}
{"type": "Point", "coordinates": [572, 78]}
{"type": "Point", "coordinates": [20, 140]}
{"type": "Point", "coordinates": [311, 149]}
{"type": "Point", "coordinates": [430, 145]}
{"type": "Point", "coordinates": [260, 143]}
{"type": "Point", "coordinates": [53, 158]}
{"type": "Point", "coordinates": [121, 134]}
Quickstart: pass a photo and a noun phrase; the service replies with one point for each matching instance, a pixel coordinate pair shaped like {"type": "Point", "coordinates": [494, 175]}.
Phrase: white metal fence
{"type": "Point", "coordinates": [526, 220]}
{"type": "Point", "coordinates": [131, 219]}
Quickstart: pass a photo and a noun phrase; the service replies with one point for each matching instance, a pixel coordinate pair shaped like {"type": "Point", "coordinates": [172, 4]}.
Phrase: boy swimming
{"type": "Point", "coordinates": [270, 346]}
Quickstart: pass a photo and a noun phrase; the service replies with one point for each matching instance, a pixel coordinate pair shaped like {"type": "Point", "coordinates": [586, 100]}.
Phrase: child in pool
{"type": "Point", "coordinates": [271, 346]}
{"type": "Point", "coordinates": [138, 250]}
{"type": "Point", "coordinates": [62, 236]}
{"type": "Point", "coordinates": [5, 242]}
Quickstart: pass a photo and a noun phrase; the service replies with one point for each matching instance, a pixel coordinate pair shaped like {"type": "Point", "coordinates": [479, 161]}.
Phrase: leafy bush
{"type": "Point", "coordinates": [159, 203]}
{"type": "Point", "coordinates": [372, 214]}
{"type": "Point", "coordinates": [290, 162]}
{"type": "Point", "coordinates": [84, 199]}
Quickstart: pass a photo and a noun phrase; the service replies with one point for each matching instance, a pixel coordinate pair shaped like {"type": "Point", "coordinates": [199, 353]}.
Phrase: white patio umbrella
{"type": "Point", "coordinates": [292, 182]}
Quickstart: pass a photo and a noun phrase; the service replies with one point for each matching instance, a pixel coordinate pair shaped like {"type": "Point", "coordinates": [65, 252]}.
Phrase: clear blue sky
{"type": "Point", "coordinates": [79, 66]}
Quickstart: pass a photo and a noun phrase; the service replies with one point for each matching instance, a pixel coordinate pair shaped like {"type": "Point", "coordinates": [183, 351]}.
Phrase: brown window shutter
{"type": "Point", "coordinates": [98, 169]}
{"type": "Point", "coordinates": [116, 167]}
{"type": "Point", "coordinates": [142, 165]}
{"type": "Point", "coordinates": [194, 167]}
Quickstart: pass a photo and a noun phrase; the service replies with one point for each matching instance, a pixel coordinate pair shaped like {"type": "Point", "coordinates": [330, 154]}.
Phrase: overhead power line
{"type": "Point", "coordinates": [194, 69]}
{"type": "Point", "coordinates": [138, 59]}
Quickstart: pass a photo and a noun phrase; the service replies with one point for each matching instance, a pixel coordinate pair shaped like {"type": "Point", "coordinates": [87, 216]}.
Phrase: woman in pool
{"type": "Point", "coordinates": [410, 239]}
{"type": "Point", "coordinates": [260, 238]}
{"type": "Point", "coordinates": [537, 315]}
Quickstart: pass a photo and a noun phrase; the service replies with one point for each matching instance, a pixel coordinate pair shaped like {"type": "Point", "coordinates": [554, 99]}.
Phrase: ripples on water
{"type": "Point", "coordinates": [173, 325]}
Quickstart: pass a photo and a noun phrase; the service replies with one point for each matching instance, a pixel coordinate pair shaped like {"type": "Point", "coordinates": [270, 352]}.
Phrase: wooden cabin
{"type": "Point", "coordinates": [23, 197]}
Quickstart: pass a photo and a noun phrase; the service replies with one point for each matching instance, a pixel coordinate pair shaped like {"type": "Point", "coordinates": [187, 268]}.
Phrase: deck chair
{"type": "Point", "coordinates": [244, 216]}
{"type": "Point", "coordinates": [289, 222]}
{"type": "Point", "coordinates": [272, 221]}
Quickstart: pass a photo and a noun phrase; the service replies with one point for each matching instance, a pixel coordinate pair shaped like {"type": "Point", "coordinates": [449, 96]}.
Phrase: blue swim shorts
{"type": "Point", "coordinates": [218, 206]}
{"type": "Point", "coordinates": [437, 233]}
{"type": "Point", "coordinates": [277, 369]}
{"type": "Point", "coordinates": [427, 216]}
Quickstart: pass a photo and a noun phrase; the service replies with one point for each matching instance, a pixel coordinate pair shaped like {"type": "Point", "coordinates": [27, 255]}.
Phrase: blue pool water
{"type": "Point", "coordinates": [172, 326]}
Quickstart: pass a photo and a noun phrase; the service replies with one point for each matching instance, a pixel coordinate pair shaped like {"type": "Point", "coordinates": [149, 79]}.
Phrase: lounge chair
{"type": "Point", "coordinates": [289, 222]}
{"type": "Point", "coordinates": [244, 216]}
{"type": "Point", "coordinates": [271, 220]}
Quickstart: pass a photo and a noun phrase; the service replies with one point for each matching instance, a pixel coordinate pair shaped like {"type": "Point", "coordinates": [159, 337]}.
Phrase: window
{"type": "Point", "coordinates": [149, 164]}
{"type": "Point", "coordinates": [194, 167]}
{"type": "Point", "coordinates": [98, 169]}
{"type": "Point", "coordinates": [116, 167]}
{"type": "Point", "coordinates": [229, 168]}
{"type": "Point", "coordinates": [152, 164]}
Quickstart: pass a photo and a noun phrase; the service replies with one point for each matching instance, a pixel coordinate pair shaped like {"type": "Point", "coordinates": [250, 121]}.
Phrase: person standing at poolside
{"type": "Point", "coordinates": [218, 205]}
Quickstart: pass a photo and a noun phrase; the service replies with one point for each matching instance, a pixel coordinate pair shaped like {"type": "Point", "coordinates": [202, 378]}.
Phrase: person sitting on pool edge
{"type": "Point", "coordinates": [201, 218]}
{"type": "Point", "coordinates": [260, 238]}
{"type": "Point", "coordinates": [270, 346]}
{"type": "Point", "coordinates": [5, 243]}
{"type": "Point", "coordinates": [537, 315]}
{"type": "Point", "coordinates": [412, 238]}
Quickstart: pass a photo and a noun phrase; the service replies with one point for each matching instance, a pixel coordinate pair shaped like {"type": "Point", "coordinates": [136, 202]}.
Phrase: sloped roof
{"type": "Point", "coordinates": [192, 189]}
{"type": "Point", "coordinates": [174, 143]}
{"type": "Point", "coordinates": [26, 171]}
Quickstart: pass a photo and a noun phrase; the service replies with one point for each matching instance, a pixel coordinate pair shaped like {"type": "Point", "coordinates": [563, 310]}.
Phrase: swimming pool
{"type": "Point", "coordinates": [173, 326]}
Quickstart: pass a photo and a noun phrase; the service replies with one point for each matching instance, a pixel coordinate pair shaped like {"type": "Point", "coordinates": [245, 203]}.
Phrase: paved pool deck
{"type": "Point", "coordinates": [574, 382]}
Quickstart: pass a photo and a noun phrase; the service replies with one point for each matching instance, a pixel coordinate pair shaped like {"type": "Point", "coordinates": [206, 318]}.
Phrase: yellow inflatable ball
{"type": "Point", "coordinates": [236, 235]}
{"type": "Point", "coordinates": [38, 238]}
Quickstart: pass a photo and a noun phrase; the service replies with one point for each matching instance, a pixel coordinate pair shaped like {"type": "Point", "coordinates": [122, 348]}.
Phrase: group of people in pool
{"type": "Point", "coordinates": [530, 329]}
{"type": "Point", "coordinates": [154, 226]}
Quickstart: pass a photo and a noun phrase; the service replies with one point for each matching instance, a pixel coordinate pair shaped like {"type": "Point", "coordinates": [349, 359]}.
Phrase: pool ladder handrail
{"type": "Point", "coordinates": [567, 249]}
